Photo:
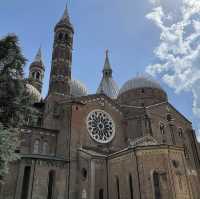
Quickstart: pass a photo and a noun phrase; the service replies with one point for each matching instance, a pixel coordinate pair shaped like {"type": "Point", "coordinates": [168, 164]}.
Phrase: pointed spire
{"type": "Point", "coordinates": [107, 65]}
{"type": "Point", "coordinates": [65, 20]}
{"type": "Point", "coordinates": [107, 85]}
{"type": "Point", "coordinates": [38, 57]}
{"type": "Point", "coordinates": [65, 15]}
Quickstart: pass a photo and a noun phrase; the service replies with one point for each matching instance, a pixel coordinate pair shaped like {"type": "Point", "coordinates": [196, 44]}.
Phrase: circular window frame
{"type": "Point", "coordinates": [108, 116]}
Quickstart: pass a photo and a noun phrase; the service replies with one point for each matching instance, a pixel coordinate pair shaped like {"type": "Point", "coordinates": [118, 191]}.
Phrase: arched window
{"type": "Point", "coordinates": [51, 183]}
{"type": "Point", "coordinates": [33, 75]}
{"type": "Point", "coordinates": [162, 128]}
{"type": "Point", "coordinates": [117, 187]}
{"type": "Point", "coordinates": [169, 117]}
{"type": "Point", "coordinates": [84, 173]}
{"type": "Point", "coordinates": [45, 148]}
{"type": "Point", "coordinates": [180, 132]}
{"type": "Point", "coordinates": [101, 194]}
{"type": "Point", "coordinates": [38, 76]}
{"type": "Point", "coordinates": [25, 182]}
{"type": "Point", "coordinates": [36, 146]}
{"type": "Point", "coordinates": [186, 152]}
{"type": "Point", "coordinates": [156, 183]}
{"type": "Point", "coordinates": [131, 186]}
{"type": "Point", "coordinates": [60, 36]}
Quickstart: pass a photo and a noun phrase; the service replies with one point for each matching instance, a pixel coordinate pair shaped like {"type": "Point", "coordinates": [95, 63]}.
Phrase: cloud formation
{"type": "Point", "coordinates": [179, 50]}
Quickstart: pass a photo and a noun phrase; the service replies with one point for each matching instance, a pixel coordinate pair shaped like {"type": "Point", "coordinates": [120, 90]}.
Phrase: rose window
{"type": "Point", "coordinates": [100, 125]}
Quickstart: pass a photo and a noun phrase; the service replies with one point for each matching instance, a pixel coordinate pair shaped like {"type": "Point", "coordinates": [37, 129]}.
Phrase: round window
{"type": "Point", "coordinates": [101, 126]}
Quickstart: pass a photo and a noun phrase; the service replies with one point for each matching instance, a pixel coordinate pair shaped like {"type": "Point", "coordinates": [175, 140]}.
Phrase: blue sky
{"type": "Point", "coordinates": [119, 25]}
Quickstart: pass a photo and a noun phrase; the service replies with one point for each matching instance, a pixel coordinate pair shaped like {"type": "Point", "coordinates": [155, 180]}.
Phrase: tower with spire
{"type": "Point", "coordinates": [62, 56]}
{"type": "Point", "coordinates": [107, 85]}
{"type": "Point", "coordinates": [36, 71]}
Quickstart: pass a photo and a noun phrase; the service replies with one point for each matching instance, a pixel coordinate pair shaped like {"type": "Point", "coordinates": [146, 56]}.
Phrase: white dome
{"type": "Point", "coordinates": [140, 82]}
{"type": "Point", "coordinates": [34, 92]}
{"type": "Point", "coordinates": [77, 88]}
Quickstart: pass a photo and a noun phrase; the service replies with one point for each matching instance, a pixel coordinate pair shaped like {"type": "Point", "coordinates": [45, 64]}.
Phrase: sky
{"type": "Point", "coordinates": [129, 29]}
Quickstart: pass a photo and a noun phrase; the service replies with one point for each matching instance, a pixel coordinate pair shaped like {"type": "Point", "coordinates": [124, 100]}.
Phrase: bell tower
{"type": "Point", "coordinates": [62, 57]}
{"type": "Point", "coordinates": [36, 72]}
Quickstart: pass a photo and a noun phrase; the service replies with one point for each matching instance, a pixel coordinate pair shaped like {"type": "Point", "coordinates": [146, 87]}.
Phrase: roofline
{"type": "Point", "coordinates": [151, 106]}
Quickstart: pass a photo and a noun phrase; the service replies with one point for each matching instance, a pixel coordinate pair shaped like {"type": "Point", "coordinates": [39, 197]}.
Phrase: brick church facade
{"type": "Point", "coordinates": [127, 143]}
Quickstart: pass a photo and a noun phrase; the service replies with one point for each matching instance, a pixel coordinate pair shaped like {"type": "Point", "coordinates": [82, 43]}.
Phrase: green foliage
{"type": "Point", "coordinates": [8, 145]}
{"type": "Point", "coordinates": [16, 105]}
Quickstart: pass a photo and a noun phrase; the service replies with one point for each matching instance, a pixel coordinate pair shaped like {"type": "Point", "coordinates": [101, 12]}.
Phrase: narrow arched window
{"type": "Point", "coordinates": [38, 76]}
{"type": "Point", "coordinates": [180, 132]}
{"type": "Point", "coordinates": [45, 148]}
{"type": "Point", "coordinates": [169, 117]}
{"type": "Point", "coordinates": [25, 182]}
{"type": "Point", "coordinates": [36, 146]}
{"type": "Point", "coordinates": [131, 186]}
{"type": "Point", "coordinates": [51, 183]}
{"type": "Point", "coordinates": [162, 128]}
{"type": "Point", "coordinates": [117, 187]}
{"type": "Point", "coordinates": [186, 152]}
{"type": "Point", "coordinates": [101, 194]}
{"type": "Point", "coordinates": [156, 182]}
{"type": "Point", "coordinates": [60, 36]}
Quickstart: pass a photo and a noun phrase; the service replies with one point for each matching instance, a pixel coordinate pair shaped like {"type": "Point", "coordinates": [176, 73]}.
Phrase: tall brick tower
{"type": "Point", "coordinates": [62, 56]}
{"type": "Point", "coordinates": [36, 73]}
{"type": "Point", "coordinates": [60, 77]}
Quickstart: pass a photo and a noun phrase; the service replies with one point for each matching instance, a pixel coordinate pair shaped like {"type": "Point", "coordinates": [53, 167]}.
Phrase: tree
{"type": "Point", "coordinates": [8, 145]}
{"type": "Point", "coordinates": [16, 108]}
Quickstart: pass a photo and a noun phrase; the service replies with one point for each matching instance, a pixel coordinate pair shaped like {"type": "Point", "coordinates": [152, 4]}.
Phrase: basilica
{"type": "Point", "coordinates": [127, 143]}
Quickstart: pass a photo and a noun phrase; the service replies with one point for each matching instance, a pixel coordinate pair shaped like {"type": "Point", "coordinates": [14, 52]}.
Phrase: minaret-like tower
{"type": "Point", "coordinates": [107, 85]}
{"type": "Point", "coordinates": [62, 57]}
{"type": "Point", "coordinates": [36, 72]}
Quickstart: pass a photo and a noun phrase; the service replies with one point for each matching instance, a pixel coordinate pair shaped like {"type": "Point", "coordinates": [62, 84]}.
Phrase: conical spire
{"type": "Point", "coordinates": [107, 85]}
{"type": "Point", "coordinates": [65, 15]}
{"type": "Point", "coordinates": [107, 65]}
{"type": "Point", "coordinates": [38, 57]}
{"type": "Point", "coordinates": [65, 20]}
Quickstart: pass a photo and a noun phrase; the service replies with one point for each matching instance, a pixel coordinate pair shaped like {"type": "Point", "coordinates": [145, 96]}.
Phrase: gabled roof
{"type": "Point", "coordinates": [171, 106]}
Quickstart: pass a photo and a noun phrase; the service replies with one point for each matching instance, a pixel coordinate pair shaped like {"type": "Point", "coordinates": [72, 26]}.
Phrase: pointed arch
{"type": "Point", "coordinates": [101, 193]}
{"type": "Point", "coordinates": [117, 187]}
{"type": "Point", "coordinates": [156, 183]}
{"type": "Point", "coordinates": [51, 183]}
{"type": "Point", "coordinates": [36, 146]}
{"type": "Point", "coordinates": [131, 185]}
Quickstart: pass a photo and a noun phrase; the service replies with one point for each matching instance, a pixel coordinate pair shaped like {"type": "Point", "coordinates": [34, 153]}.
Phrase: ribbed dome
{"type": "Point", "coordinates": [77, 88]}
{"type": "Point", "coordinates": [33, 92]}
{"type": "Point", "coordinates": [140, 82]}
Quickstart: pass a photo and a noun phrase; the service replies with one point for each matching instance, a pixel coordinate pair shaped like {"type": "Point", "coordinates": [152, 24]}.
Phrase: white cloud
{"type": "Point", "coordinates": [179, 49]}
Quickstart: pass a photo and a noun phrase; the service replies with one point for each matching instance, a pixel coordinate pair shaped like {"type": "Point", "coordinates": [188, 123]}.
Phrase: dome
{"type": "Point", "coordinates": [77, 88]}
{"type": "Point", "coordinates": [33, 92]}
{"type": "Point", "coordinates": [140, 82]}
